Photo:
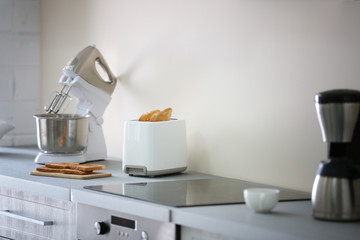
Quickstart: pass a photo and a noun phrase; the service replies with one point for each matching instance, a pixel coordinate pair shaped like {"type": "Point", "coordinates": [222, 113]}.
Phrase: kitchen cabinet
{"type": "Point", "coordinates": [24, 215]}
{"type": "Point", "coordinates": [188, 233]}
{"type": "Point", "coordinates": [288, 221]}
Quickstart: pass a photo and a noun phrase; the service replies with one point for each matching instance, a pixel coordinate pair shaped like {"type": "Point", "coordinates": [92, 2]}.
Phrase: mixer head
{"type": "Point", "coordinates": [88, 65]}
{"type": "Point", "coordinates": [91, 66]}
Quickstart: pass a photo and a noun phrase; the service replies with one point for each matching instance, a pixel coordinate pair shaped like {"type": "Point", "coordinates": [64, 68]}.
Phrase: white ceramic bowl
{"type": "Point", "coordinates": [261, 199]}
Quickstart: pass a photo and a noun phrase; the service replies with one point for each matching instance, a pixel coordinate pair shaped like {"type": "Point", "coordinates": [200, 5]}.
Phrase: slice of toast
{"type": "Point", "coordinates": [47, 169]}
{"type": "Point", "coordinates": [147, 116]}
{"type": "Point", "coordinates": [64, 170]}
{"type": "Point", "coordinates": [88, 167]}
{"type": "Point", "coordinates": [164, 115]}
{"type": "Point", "coordinates": [73, 171]}
{"type": "Point", "coordinates": [63, 165]}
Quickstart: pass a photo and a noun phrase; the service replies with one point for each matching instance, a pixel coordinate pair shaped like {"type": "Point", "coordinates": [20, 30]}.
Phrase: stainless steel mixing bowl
{"type": "Point", "coordinates": [62, 133]}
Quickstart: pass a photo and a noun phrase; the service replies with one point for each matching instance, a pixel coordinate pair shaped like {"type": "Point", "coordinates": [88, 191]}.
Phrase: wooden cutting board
{"type": "Point", "coordinates": [73, 176]}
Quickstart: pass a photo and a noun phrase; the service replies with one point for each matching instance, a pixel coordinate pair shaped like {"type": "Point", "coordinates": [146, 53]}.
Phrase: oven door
{"type": "Point", "coordinates": [99, 223]}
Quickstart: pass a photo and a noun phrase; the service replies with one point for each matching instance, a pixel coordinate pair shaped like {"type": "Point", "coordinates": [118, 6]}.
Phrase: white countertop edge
{"type": "Point", "coordinates": [121, 204]}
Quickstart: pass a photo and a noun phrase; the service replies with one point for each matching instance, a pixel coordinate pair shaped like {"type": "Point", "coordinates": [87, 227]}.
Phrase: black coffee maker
{"type": "Point", "coordinates": [336, 189]}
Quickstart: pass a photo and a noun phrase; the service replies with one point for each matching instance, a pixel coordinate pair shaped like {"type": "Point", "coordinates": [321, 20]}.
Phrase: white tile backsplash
{"type": "Point", "coordinates": [7, 84]}
{"type": "Point", "coordinates": [18, 49]}
{"type": "Point", "coordinates": [23, 116]}
{"type": "Point", "coordinates": [26, 17]}
{"type": "Point", "coordinates": [7, 111]}
{"type": "Point", "coordinates": [6, 9]}
{"type": "Point", "coordinates": [19, 69]}
{"type": "Point", "coordinates": [27, 83]}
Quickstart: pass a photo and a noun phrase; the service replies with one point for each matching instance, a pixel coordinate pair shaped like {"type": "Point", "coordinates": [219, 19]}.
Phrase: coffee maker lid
{"type": "Point", "coordinates": [338, 96]}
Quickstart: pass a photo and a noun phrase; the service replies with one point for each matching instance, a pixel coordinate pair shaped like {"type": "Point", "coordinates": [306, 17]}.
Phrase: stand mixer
{"type": "Point", "coordinates": [88, 78]}
{"type": "Point", "coordinates": [336, 189]}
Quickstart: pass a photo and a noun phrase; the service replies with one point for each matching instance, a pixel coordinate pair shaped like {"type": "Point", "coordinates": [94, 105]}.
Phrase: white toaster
{"type": "Point", "coordinates": [154, 148]}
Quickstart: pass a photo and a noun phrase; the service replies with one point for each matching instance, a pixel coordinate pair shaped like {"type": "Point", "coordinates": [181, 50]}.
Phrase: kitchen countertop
{"type": "Point", "coordinates": [289, 220]}
{"type": "Point", "coordinates": [16, 165]}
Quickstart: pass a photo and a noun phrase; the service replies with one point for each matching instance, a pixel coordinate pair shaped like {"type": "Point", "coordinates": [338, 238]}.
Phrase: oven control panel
{"type": "Point", "coordinates": [99, 223]}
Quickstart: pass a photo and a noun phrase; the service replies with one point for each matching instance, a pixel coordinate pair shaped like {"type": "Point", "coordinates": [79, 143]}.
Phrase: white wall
{"type": "Point", "coordinates": [243, 73]}
{"type": "Point", "coordinates": [19, 69]}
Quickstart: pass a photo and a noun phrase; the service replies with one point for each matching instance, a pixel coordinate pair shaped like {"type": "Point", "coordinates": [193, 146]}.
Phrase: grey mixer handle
{"type": "Point", "coordinates": [84, 65]}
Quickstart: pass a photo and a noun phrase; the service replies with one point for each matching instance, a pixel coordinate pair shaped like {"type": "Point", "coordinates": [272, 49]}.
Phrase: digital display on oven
{"type": "Point", "coordinates": [123, 222]}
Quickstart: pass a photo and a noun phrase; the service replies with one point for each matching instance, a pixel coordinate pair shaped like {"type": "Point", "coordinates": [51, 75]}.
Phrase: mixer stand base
{"type": "Point", "coordinates": [43, 158]}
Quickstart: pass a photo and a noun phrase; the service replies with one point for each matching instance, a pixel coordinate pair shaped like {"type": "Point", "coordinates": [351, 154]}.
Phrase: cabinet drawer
{"type": "Point", "coordinates": [11, 234]}
{"type": "Point", "coordinates": [20, 217]}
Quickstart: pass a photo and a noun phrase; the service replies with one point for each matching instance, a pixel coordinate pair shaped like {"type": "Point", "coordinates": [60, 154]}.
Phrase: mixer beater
{"type": "Point", "coordinates": [60, 97]}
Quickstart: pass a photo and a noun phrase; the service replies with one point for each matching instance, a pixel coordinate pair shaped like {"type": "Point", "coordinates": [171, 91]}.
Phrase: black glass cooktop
{"type": "Point", "coordinates": [186, 193]}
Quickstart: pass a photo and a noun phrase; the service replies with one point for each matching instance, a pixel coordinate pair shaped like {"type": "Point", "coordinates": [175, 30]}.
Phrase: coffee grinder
{"type": "Point", "coordinates": [336, 189]}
